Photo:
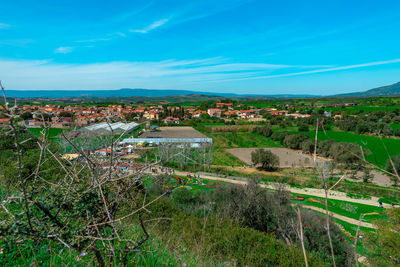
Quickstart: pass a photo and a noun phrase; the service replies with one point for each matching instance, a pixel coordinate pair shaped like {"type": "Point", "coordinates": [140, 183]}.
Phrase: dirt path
{"type": "Point", "coordinates": [306, 191]}
{"type": "Point", "coordinates": [287, 157]}
{"type": "Point", "coordinates": [341, 217]}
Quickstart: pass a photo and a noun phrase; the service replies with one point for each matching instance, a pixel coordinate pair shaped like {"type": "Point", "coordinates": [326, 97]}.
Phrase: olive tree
{"type": "Point", "coordinates": [268, 160]}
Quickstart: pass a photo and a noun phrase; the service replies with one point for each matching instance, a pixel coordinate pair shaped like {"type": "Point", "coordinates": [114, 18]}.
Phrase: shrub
{"type": "Point", "coordinates": [304, 128]}
{"type": "Point", "coordinates": [294, 141]}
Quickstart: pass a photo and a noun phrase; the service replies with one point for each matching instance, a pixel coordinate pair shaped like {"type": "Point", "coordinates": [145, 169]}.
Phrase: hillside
{"type": "Point", "coordinates": [126, 92]}
{"type": "Point", "coordinates": [388, 90]}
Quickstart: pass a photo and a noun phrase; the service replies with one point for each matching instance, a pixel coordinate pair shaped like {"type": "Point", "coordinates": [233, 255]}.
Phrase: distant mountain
{"type": "Point", "coordinates": [126, 92]}
{"type": "Point", "coordinates": [388, 90]}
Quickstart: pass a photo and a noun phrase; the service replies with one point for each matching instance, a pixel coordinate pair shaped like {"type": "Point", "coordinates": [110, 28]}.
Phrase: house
{"type": "Point", "coordinates": [298, 115]}
{"type": "Point", "coordinates": [32, 123]}
{"type": "Point", "coordinates": [197, 113]}
{"type": "Point", "coordinates": [278, 112]}
{"type": "Point", "coordinates": [225, 105]}
{"type": "Point", "coordinates": [214, 112]}
{"type": "Point", "coordinates": [82, 121]}
{"type": "Point", "coordinates": [151, 115]}
{"type": "Point", "coordinates": [103, 152]}
{"type": "Point", "coordinates": [245, 114]}
{"type": "Point", "coordinates": [4, 121]}
{"type": "Point", "coordinates": [171, 120]}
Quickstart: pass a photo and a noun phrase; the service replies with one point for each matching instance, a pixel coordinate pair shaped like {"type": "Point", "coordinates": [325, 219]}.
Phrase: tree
{"type": "Point", "coordinates": [294, 141]}
{"type": "Point", "coordinates": [279, 136]}
{"type": "Point", "coordinates": [26, 116]}
{"type": "Point", "coordinates": [367, 176]}
{"type": "Point", "coordinates": [204, 105]}
{"type": "Point", "coordinates": [264, 131]}
{"type": "Point", "coordinates": [384, 245]}
{"type": "Point", "coordinates": [393, 166]}
{"type": "Point", "coordinates": [65, 114]}
{"type": "Point", "coordinates": [303, 128]}
{"type": "Point", "coordinates": [308, 146]}
{"type": "Point", "coordinates": [266, 158]}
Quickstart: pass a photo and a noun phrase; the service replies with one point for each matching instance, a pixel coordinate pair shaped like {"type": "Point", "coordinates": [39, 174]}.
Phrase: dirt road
{"type": "Point", "coordinates": [341, 217]}
{"type": "Point", "coordinates": [287, 157]}
{"type": "Point", "coordinates": [306, 191]}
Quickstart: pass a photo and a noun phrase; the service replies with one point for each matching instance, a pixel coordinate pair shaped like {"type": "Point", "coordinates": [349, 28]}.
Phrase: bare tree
{"type": "Point", "coordinates": [86, 205]}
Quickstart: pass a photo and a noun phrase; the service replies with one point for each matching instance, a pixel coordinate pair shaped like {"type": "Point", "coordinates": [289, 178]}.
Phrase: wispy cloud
{"type": "Point", "coordinates": [94, 40]}
{"type": "Point", "coordinates": [356, 66]}
{"type": "Point", "coordinates": [154, 25]}
{"type": "Point", "coordinates": [4, 26]}
{"type": "Point", "coordinates": [178, 74]}
{"type": "Point", "coordinates": [64, 50]}
{"type": "Point", "coordinates": [121, 34]}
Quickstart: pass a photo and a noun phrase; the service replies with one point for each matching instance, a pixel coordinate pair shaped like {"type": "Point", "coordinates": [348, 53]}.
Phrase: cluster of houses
{"type": "Point", "coordinates": [62, 117]}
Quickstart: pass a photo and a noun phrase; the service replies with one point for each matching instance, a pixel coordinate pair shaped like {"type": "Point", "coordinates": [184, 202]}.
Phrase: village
{"type": "Point", "coordinates": [79, 116]}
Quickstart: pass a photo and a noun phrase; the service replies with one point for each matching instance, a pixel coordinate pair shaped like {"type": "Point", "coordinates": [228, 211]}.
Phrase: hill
{"type": "Point", "coordinates": [127, 92]}
{"type": "Point", "coordinates": [388, 90]}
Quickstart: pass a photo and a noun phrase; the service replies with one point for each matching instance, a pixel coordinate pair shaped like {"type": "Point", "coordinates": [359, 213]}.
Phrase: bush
{"type": "Point", "coordinates": [294, 141]}
{"type": "Point", "coordinates": [279, 136]}
{"type": "Point", "coordinates": [304, 128]}
{"type": "Point", "coordinates": [264, 131]}
{"type": "Point", "coordinates": [396, 170]}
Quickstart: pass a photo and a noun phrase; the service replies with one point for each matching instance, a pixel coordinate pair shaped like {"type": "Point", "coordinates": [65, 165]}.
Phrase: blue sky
{"type": "Point", "coordinates": [241, 46]}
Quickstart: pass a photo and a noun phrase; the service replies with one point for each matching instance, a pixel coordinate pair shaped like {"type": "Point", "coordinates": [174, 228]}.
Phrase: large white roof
{"type": "Point", "coordinates": [118, 126]}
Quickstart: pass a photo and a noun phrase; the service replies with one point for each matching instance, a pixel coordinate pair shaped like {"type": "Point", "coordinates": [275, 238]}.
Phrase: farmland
{"type": "Point", "coordinates": [377, 146]}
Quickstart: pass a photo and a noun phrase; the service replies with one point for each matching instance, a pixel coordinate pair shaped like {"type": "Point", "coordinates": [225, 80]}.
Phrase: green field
{"type": "Point", "coordinates": [232, 140]}
{"type": "Point", "coordinates": [51, 132]}
{"type": "Point", "coordinates": [366, 109]}
{"type": "Point", "coordinates": [344, 208]}
{"type": "Point", "coordinates": [378, 154]}
{"type": "Point", "coordinates": [222, 158]}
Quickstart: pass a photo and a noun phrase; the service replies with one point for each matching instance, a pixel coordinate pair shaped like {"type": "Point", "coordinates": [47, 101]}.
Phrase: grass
{"type": "Point", "coordinates": [152, 253]}
{"type": "Point", "coordinates": [344, 208]}
{"type": "Point", "coordinates": [395, 126]}
{"type": "Point", "coordinates": [222, 158]}
{"type": "Point", "coordinates": [378, 154]}
{"type": "Point", "coordinates": [352, 230]}
{"type": "Point", "coordinates": [232, 140]}
{"type": "Point", "coordinates": [51, 133]}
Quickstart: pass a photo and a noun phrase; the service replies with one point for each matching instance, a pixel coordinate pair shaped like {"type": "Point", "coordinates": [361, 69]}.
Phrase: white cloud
{"type": "Point", "coordinates": [152, 26]}
{"type": "Point", "coordinates": [64, 50]}
{"type": "Point", "coordinates": [121, 34]}
{"type": "Point", "coordinates": [326, 69]}
{"type": "Point", "coordinates": [167, 74]}
{"type": "Point", "coordinates": [94, 40]}
{"type": "Point", "coordinates": [4, 26]}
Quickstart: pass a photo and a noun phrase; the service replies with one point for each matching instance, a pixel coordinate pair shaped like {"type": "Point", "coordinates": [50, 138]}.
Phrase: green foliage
{"type": "Point", "coordinates": [294, 141]}
{"type": "Point", "coordinates": [268, 160]}
{"type": "Point", "coordinates": [393, 166]}
{"type": "Point", "coordinates": [265, 131]}
{"type": "Point", "coordinates": [377, 154]}
{"type": "Point", "coordinates": [384, 245]}
{"type": "Point", "coordinates": [304, 128]}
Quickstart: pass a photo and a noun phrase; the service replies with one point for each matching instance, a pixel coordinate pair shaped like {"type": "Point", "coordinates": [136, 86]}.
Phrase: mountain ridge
{"type": "Point", "coordinates": [388, 90]}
